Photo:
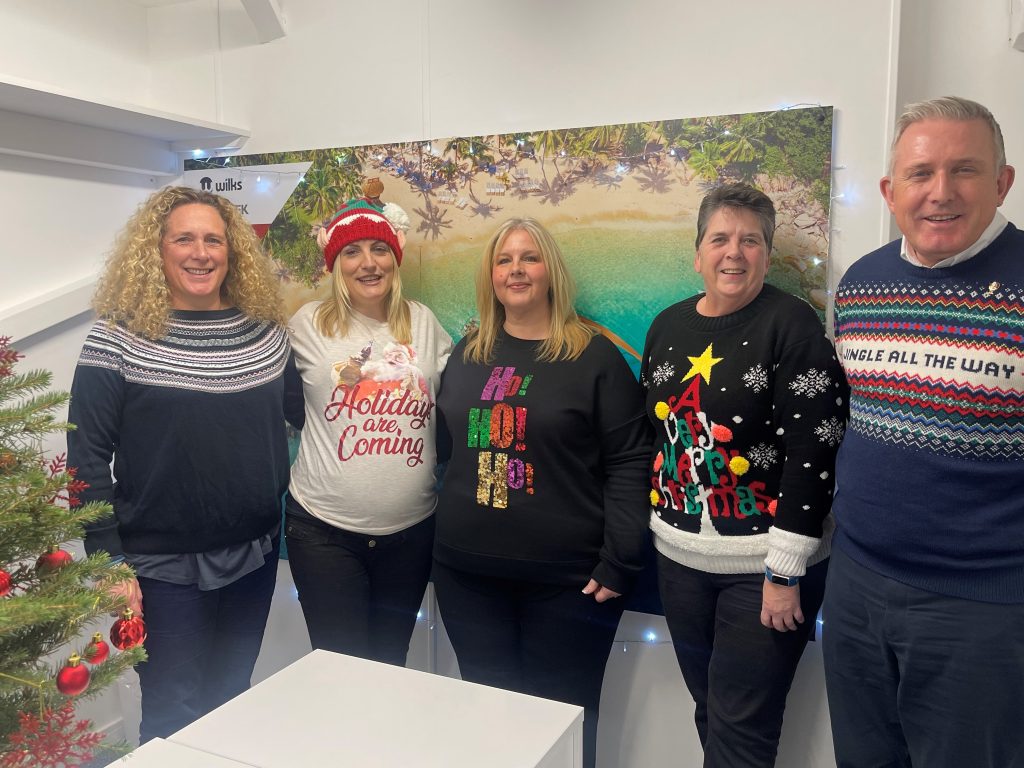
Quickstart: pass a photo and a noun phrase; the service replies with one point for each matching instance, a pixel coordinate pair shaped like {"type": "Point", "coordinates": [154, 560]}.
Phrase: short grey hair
{"type": "Point", "coordinates": [738, 197]}
{"type": "Point", "coordinates": [948, 108]}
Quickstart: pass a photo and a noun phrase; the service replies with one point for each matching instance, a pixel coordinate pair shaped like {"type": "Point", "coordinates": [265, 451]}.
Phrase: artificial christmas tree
{"type": "Point", "coordinates": [49, 597]}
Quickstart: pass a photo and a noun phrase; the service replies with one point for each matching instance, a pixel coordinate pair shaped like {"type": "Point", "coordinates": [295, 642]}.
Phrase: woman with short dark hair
{"type": "Point", "coordinates": [748, 402]}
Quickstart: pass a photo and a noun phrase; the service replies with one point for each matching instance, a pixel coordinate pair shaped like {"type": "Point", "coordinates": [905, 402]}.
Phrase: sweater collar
{"type": "Point", "coordinates": [699, 322]}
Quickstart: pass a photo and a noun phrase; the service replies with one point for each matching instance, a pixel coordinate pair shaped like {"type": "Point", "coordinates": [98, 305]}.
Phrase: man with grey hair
{"type": "Point", "coordinates": [924, 610]}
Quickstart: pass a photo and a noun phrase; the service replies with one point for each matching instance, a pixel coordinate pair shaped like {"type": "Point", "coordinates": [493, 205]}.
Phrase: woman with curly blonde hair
{"type": "Point", "coordinates": [131, 292]}
{"type": "Point", "coordinates": [181, 384]}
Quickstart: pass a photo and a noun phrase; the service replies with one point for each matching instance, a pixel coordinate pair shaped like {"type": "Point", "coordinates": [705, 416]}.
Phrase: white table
{"type": "Point", "coordinates": [340, 711]}
{"type": "Point", "coordinates": [166, 754]}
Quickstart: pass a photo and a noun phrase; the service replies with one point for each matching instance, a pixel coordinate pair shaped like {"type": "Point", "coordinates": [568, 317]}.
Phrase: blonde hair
{"type": "Point", "coordinates": [567, 335]}
{"type": "Point", "coordinates": [332, 316]}
{"type": "Point", "coordinates": [133, 292]}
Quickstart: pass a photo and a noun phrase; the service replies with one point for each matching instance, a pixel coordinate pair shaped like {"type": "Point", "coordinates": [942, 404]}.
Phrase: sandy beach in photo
{"type": "Point", "coordinates": [621, 201]}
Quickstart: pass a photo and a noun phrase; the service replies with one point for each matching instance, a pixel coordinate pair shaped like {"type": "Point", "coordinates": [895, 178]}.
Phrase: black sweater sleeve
{"type": "Point", "coordinates": [625, 438]}
{"type": "Point", "coordinates": [97, 397]}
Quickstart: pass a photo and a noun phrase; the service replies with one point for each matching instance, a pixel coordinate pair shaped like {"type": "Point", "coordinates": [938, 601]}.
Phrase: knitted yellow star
{"type": "Point", "coordinates": [702, 365]}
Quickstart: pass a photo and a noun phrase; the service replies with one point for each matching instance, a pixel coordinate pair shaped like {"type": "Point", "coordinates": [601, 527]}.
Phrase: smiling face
{"type": "Point", "coordinates": [944, 188]}
{"type": "Point", "coordinates": [368, 268]}
{"type": "Point", "coordinates": [732, 259]}
{"type": "Point", "coordinates": [194, 249]}
{"type": "Point", "coordinates": [520, 277]}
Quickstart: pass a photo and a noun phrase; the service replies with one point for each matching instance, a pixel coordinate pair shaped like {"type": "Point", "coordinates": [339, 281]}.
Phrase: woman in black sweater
{"type": "Point", "coordinates": [542, 518]}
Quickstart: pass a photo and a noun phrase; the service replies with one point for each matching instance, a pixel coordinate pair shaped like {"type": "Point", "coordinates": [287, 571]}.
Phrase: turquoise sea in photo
{"type": "Point", "coordinates": [625, 275]}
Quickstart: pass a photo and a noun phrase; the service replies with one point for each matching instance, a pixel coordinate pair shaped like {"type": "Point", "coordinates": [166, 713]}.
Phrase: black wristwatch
{"type": "Point", "coordinates": [774, 578]}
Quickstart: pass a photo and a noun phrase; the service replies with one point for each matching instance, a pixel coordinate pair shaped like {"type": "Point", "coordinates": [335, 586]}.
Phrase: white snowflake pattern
{"type": "Point", "coordinates": [763, 455]}
{"type": "Point", "coordinates": [830, 431]}
{"type": "Point", "coordinates": [812, 383]}
{"type": "Point", "coordinates": [756, 378]}
{"type": "Point", "coordinates": [663, 373]}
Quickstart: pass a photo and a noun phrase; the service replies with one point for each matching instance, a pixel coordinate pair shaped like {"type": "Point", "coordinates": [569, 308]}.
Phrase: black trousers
{"type": "Point", "coordinates": [202, 646]}
{"type": "Point", "coordinates": [540, 639]}
{"type": "Point", "coordinates": [920, 679]}
{"type": "Point", "coordinates": [359, 593]}
{"type": "Point", "coordinates": [738, 671]}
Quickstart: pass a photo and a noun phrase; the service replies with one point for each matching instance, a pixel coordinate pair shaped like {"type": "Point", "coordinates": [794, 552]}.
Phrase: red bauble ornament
{"type": "Point", "coordinates": [51, 561]}
{"type": "Point", "coordinates": [5, 583]}
{"type": "Point", "coordinates": [73, 677]}
{"type": "Point", "coordinates": [128, 631]}
{"type": "Point", "coordinates": [97, 651]}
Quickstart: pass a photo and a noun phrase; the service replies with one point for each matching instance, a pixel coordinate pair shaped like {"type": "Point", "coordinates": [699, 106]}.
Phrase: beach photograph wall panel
{"type": "Point", "coordinates": [621, 200]}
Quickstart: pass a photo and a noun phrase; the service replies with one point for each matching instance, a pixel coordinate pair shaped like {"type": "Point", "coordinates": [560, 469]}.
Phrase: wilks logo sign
{"type": "Point", "coordinates": [258, 191]}
{"type": "Point", "coordinates": [228, 185]}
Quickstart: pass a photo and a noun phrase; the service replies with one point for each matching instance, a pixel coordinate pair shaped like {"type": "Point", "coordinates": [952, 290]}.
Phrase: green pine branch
{"type": "Point", "coordinates": [45, 617]}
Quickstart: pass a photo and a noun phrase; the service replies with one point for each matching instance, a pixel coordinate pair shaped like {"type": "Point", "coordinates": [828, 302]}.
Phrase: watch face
{"type": "Point", "coordinates": [785, 581]}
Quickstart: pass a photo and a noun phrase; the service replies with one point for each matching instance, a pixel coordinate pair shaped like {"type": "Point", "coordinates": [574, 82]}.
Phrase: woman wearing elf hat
{"type": "Point", "coordinates": [360, 506]}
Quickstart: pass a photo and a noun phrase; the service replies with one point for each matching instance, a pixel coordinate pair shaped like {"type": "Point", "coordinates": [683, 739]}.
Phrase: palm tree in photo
{"type": "Point", "coordinates": [654, 179]}
{"type": "Point", "coordinates": [635, 138]}
{"type": "Point", "coordinates": [319, 194]}
{"type": "Point", "coordinates": [708, 161]}
{"type": "Point", "coordinates": [433, 219]}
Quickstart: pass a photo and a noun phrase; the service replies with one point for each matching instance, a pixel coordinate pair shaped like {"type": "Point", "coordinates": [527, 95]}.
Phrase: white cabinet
{"type": "Point", "coordinates": [329, 709]}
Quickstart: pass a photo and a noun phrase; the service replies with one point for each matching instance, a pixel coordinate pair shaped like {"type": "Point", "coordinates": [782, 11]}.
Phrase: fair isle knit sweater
{"type": "Point", "coordinates": [748, 410]}
{"type": "Point", "coordinates": [931, 472]}
{"type": "Point", "coordinates": [194, 423]}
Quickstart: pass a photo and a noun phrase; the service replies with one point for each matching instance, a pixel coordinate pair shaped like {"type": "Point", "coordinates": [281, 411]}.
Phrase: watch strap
{"type": "Point", "coordinates": [775, 578]}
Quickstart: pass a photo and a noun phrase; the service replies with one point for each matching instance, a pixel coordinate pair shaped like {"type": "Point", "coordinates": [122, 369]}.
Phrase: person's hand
{"type": "Point", "coordinates": [129, 592]}
{"type": "Point", "coordinates": [600, 593]}
{"type": "Point", "coordinates": [780, 607]}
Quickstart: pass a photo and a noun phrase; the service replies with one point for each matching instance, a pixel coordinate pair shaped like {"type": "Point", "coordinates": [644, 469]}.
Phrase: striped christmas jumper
{"type": "Point", "coordinates": [930, 475]}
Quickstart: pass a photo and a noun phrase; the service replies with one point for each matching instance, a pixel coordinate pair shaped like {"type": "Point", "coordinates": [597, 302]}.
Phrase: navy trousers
{"type": "Point", "coordinates": [920, 679]}
{"type": "Point", "coordinates": [202, 646]}
{"type": "Point", "coordinates": [738, 671]}
{"type": "Point", "coordinates": [360, 593]}
{"type": "Point", "coordinates": [540, 639]}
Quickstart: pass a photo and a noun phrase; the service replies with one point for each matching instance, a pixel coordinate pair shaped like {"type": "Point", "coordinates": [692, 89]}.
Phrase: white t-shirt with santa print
{"type": "Point", "coordinates": [366, 459]}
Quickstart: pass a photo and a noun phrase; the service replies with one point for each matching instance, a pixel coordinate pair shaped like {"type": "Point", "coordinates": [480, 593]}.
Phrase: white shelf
{"type": "Point", "coordinates": [48, 123]}
{"type": "Point", "coordinates": [47, 309]}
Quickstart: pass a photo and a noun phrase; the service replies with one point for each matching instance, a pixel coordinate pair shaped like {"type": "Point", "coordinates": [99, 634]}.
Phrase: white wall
{"type": "Point", "coordinates": [347, 73]}
{"type": "Point", "coordinates": [949, 47]}
{"type": "Point", "coordinates": [352, 73]}
{"type": "Point", "coordinates": [92, 48]}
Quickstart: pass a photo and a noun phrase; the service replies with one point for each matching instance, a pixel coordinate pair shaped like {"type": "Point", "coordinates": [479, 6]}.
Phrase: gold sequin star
{"type": "Point", "coordinates": [702, 365]}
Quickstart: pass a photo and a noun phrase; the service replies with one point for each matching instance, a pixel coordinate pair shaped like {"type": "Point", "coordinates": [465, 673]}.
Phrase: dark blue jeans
{"type": "Point", "coordinates": [359, 593]}
{"type": "Point", "coordinates": [738, 671]}
{"type": "Point", "coordinates": [540, 639]}
{"type": "Point", "coordinates": [919, 679]}
{"type": "Point", "coordinates": [202, 646]}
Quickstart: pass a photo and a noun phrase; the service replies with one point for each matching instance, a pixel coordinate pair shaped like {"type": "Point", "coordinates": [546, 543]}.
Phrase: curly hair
{"type": "Point", "coordinates": [568, 336]}
{"type": "Point", "coordinates": [133, 292]}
